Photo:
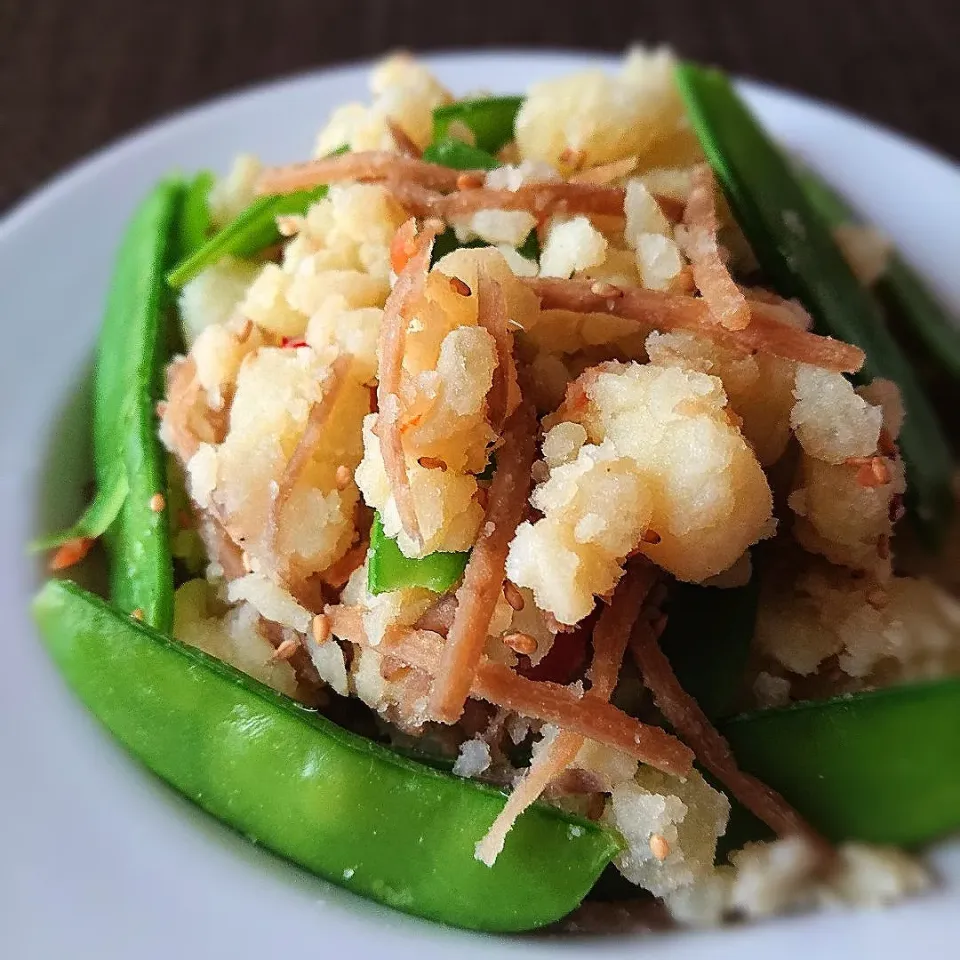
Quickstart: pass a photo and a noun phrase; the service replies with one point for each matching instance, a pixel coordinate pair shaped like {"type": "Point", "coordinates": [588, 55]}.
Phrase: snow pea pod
{"type": "Point", "coordinates": [796, 250]}
{"type": "Point", "coordinates": [342, 806]}
{"type": "Point", "coordinates": [194, 223]}
{"type": "Point", "coordinates": [388, 569]}
{"type": "Point", "coordinates": [448, 152]}
{"type": "Point", "coordinates": [489, 118]}
{"type": "Point", "coordinates": [899, 288]}
{"type": "Point", "coordinates": [707, 640]}
{"type": "Point", "coordinates": [131, 352]}
{"type": "Point", "coordinates": [252, 230]}
{"type": "Point", "coordinates": [882, 767]}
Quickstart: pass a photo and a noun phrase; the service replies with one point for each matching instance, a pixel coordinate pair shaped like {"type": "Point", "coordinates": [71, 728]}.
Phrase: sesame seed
{"type": "Point", "coordinates": [432, 463]}
{"type": "Point", "coordinates": [321, 629]}
{"type": "Point", "coordinates": [521, 643]}
{"type": "Point", "coordinates": [137, 614]}
{"type": "Point", "coordinates": [157, 502]}
{"type": "Point", "coordinates": [602, 289]}
{"type": "Point", "coordinates": [651, 537]}
{"type": "Point", "coordinates": [659, 846]}
{"type": "Point", "coordinates": [512, 595]}
{"type": "Point", "coordinates": [284, 651]}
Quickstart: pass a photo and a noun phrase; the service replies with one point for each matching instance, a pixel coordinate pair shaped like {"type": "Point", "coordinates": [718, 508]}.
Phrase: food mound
{"type": "Point", "coordinates": [503, 444]}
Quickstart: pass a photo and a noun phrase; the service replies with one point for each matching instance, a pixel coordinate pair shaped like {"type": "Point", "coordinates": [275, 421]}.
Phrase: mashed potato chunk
{"type": "Point", "coordinates": [662, 471]}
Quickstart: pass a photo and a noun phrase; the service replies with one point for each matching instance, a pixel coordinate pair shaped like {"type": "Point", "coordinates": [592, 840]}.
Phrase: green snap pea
{"type": "Point", "coordinates": [881, 767]}
{"type": "Point", "coordinates": [342, 806]}
{"type": "Point", "coordinates": [102, 511]}
{"type": "Point", "coordinates": [796, 250]}
{"type": "Point", "coordinates": [194, 223]}
{"type": "Point", "coordinates": [250, 232]}
{"type": "Point", "coordinates": [490, 119]}
{"type": "Point", "coordinates": [899, 288]}
{"type": "Point", "coordinates": [131, 353]}
{"type": "Point", "coordinates": [388, 569]}
{"type": "Point", "coordinates": [707, 640]}
{"type": "Point", "coordinates": [461, 156]}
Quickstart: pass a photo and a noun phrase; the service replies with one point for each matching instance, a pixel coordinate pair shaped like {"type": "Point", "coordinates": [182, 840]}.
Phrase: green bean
{"type": "Point", "coordinates": [797, 252]}
{"type": "Point", "coordinates": [899, 288]}
{"type": "Point", "coordinates": [102, 511]}
{"type": "Point", "coordinates": [340, 805]}
{"type": "Point", "coordinates": [388, 569]}
{"type": "Point", "coordinates": [881, 767]}
{"type": "Point", "coordinates": [490, 119]}
{"type": "Point", "coordinates": [130, 357]}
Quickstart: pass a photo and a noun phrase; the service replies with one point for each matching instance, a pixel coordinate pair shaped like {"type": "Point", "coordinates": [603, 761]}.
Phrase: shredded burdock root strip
{"type": "Point", "coordinates": [683, 713]}
{"type": "Point", "coordinates": [606, 173]}
{"type": "Point", "coordinates": [698, 239]}
{"type": "Point", "coordinates": [484, 573]}
{"type": "Point", "coordinates": [404, 144]}
{"type": "Point", "coordinates": [308, 444]}
{"type": "Point", "coordinates": [504, 393]}
{"type": "Point", "coordinates": [539, 700]}
{"type": "Point", "coordinates": [610, 637]}
{"type": "Point", "coordinates": [769, 330]}
{"type": "Point", "coordinates": [393, 335]}
{"type": "Point", "coordinates": [363, 166]}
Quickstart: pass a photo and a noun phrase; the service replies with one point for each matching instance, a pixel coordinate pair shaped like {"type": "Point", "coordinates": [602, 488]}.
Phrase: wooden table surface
{"type": "Point", "coordinates": [75, 75]}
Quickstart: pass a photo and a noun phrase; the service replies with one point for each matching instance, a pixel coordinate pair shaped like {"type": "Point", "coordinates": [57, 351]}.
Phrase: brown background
{"type": "Point", "coordinates": [74, 74]}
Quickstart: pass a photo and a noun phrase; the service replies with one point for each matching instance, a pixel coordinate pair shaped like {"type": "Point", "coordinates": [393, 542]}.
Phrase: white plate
{"type": "Point", "coordinates": [99, 859]}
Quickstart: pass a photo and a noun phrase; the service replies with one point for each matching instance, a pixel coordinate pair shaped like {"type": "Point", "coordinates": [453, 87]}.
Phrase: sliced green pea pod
{"type": "Point", "coordinates": [900, 288]}
{"type": "Point", "coordinates": [342, 806]}
{"type": "Point", "coordinates": [131, 353]}
{"type": "Point", "coordinates": [98, 516]}
{"type": "Point", "coordinates": [707, 640]}
{"type": "Point", "coordinates": [490, 119]}
{"type": "Point", "coordinates": [796, 249]}
{"type": "Point", "coordinates": [194, 223]}
{"type": "Point", "coordinates": [460, 156]}
{"type": "Point", "coordinates": [388, 569]}
{"type": "Point", "coordinates": [250, 232]}
{"type": "Point", "coordinates": [881, 767]}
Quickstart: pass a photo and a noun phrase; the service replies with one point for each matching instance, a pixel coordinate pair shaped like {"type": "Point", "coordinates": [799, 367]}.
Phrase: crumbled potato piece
{"type": "Point", "coordinates": [232, 194]}
{"type": "Point", "coordinates": [759, 388]}
{"type": "Point", "coordinates": [572, 245]}
{"type": "Point", "coordinates": [687, 815]}
{"type": "Point", "coordinates": [230, 634]}
{"type": "Point", "coordinates": [212, 297]}
{"type": "Point", "coordinates": [637, 474]}
{"type": "Point", "coordinates": [404, 92]}
{"type": "Point", "coordinates": [590, 118]}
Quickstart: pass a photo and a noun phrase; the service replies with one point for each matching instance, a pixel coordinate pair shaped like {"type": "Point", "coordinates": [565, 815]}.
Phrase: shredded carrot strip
{"type": "Point", "coordinates": [767, 332]}
{"type": "Point", "coordinates": [712, 750]}
{"type": "Point", "coordinates": [699, 241]}
{"type": "Point", "coordinates": [504, 393]}
{"type": "Point", "coordinates": [365, 165]}
{"type": "Point", "coordinates": [403, 141]}
{"type": "Point", "coordinates": [610, 637]}
{"type": "Point", "coordinates": [483, 576]}
{"type": "Point", "coordinates": [308, 444]}
{"type": "Point", "coordinates": [70, 553]}
{"type": "Point", "coordinates": [393, 332]}
{"type": "Point", "coordinates": [539, 700]}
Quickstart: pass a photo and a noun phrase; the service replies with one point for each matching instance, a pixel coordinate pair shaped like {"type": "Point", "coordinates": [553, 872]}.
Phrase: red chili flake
{"type": "Point", "coordinates": [291, 343]}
